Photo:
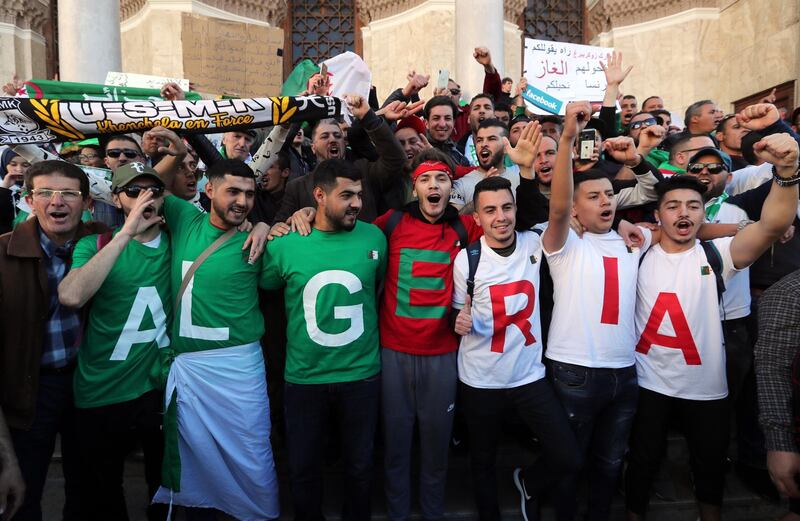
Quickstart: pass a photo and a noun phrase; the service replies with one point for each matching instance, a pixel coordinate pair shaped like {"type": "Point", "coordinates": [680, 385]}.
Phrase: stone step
{"type": "Point", "coordinates": [672, 500]}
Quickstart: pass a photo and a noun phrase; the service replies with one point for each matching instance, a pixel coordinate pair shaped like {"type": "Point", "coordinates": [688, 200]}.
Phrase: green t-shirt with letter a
{"type": "Point", "coordinates": [331, 280]}
{"type": "Point", "coordinates": [127, 326]}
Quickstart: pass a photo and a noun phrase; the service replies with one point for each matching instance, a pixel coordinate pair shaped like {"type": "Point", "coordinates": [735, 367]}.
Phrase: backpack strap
{"type": "Point", "coordinates": [715, 261]}
{"type": "Point", "coordinates": [392, 222]}
{"type": "Point", "coordinates": [103, 239]}
{"type": "Point", "coordinates": [473, 258]}
{"type": "Point", "coordinates": [459, 228]}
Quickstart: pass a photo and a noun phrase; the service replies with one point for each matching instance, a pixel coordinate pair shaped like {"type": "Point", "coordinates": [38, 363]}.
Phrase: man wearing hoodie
{"type": "Point", "coordinates": [419, 355]}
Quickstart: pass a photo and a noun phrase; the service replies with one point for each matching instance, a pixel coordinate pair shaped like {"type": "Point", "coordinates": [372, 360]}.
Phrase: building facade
{"type": "Point", "coordinates": [732, 51]}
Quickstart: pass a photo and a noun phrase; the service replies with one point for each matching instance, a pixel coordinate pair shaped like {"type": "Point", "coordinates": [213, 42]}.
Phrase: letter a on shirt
{"type": "Point", "coordinates": [146, 299]}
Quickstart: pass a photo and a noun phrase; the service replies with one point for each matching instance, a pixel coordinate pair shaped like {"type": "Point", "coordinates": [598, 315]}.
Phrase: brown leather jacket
{"type": "Point", "coordinates": [24, 302]}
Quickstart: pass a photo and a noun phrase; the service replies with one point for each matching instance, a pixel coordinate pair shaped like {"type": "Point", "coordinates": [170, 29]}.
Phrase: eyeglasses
{"type": "Point", "coordinates": [455, 92]}
{"type": "Point", "coordinates": [114, 153]}
{"type": "Point", "coordinates": [45, 194]}
{"type": "Point", "coordinates": [133, 191]}
{"type": "Point", "coordinates": [86, 157]}
{"type": "Point", "coordinates": [713, 168]}
{"type": "Point", "coordinates": [649, 122]}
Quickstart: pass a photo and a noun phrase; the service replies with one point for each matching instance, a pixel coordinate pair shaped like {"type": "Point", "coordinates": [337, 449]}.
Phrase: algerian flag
{"type": "Point", "coordinates": [298, 79]}
{"type": "Point", "coordinates": [348, 74]}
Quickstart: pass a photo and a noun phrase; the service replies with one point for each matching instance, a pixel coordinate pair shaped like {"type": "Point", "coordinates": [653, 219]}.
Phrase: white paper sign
{"type": "Point", "coordinates": [143, 81]}
{"type": "Point", "coordinates": [559, 72]}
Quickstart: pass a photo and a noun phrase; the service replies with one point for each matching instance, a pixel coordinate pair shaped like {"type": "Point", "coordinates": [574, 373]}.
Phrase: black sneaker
{"type": "Point", "coordinates": [529, 505]}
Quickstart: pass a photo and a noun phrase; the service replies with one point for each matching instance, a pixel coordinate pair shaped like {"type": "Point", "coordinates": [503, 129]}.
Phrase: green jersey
{"type": "Point", "coordinates": [220, 305]}
{"type": "Point", "coordinates": [331, 280]}
{"type": "Point", "coordinates": [127, 324]}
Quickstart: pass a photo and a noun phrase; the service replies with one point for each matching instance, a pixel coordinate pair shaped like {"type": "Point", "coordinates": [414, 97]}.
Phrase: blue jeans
{"type": "Point", "coordinates": [55, 415]}
{"type": "Point", "coordinates": [600, 405]}
{"type": "Point", "coordinates": [307, 411]}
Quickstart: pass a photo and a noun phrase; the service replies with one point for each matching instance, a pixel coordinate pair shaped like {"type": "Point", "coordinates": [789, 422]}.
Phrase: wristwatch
{"type": "Point", "coordinates": [743, 224]}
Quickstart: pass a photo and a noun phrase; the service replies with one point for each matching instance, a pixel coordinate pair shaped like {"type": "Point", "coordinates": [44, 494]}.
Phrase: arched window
{"type": "Point", "coordinates": [557, 20]}
{"type": "Point", "coordinates": [319, 29]}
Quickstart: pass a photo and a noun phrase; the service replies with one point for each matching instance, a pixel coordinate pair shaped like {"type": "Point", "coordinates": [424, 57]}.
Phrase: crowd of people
{"type": "Point", "coordinates": [426, 270]}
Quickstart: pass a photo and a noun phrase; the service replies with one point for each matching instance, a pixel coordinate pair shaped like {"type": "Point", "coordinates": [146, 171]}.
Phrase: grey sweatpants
{"type": "Point", "coordinates": [421, 388]}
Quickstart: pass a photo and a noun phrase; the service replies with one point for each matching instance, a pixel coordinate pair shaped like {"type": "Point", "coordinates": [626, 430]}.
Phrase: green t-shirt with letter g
{"type": "Point", "coordinates": [220, 305]}
{"type": "Point", "coordinates": [127, 327]}
{"type": "Point", "coordinates": [331, 280]}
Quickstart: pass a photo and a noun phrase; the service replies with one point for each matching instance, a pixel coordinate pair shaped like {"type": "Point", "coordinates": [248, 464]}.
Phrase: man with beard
{"type": "Point", "coordinates": [481, 108]}
{"type": "Point", "coordinates": [680, 362]}
{"type": "Point", "coordinates": [490, 140]}
{"type": "Point", "coordinates": [382, 179]}
{"type": "Point", "coordinates": [117, 385]}
{"type": "Point", "coordinates": [213, 460]}
{"type": "Point", "coordinates": [331, 278]}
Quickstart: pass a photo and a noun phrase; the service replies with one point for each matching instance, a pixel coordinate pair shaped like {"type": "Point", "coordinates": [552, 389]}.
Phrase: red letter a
{"type": "Point", "coordinates": [668, 303]}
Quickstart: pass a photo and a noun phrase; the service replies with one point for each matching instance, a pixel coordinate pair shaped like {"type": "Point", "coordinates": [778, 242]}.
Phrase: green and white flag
{"type": "Point", "coordinates": [70, 91]}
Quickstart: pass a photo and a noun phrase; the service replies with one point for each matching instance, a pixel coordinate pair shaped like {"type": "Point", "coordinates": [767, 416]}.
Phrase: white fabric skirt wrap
{"type": "Point", "coordinates": [223, 424]}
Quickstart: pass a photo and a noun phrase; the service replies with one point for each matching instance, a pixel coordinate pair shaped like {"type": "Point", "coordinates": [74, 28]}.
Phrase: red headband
{"type": "Point", "coordinates": [431, 166]}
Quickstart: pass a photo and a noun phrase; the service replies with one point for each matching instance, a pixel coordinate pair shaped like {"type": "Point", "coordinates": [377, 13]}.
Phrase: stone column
{"type": "Point", "coordinates": [88, 40]}
{"type": "Point", "coordinates": [478, 23]}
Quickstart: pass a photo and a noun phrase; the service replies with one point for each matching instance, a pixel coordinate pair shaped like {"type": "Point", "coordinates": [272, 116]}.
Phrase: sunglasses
{"type": "Point", "coordinates": [644, 123]}
{"type": "Point", "coordinates": [455, 92]}
{"type": "Point", "coordinates": [133, 191]}
{"type": "Point", "coordinates": [713, 168]}
{"type": "Point", "coordinates": [114, 153]}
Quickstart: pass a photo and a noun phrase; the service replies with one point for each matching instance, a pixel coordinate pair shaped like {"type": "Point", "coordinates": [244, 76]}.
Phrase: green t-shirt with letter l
{"type": "Point", "coordinates": [121, 354]}
{"type": "Point", "coordinates": [331, 303]}
{"type": "Point", "coordinates": [220, 305]}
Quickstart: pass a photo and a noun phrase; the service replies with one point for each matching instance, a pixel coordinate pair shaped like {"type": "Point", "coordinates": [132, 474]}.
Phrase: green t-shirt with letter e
{"type": "Point", "coordinates": [121, 354]}
{"type": "Point", "coordinates": [220, 305]}
{"type": "Point", "coordinates": [331, 279]}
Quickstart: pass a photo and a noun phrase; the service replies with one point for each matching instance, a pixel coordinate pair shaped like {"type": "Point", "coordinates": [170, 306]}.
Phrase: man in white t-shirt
{"type": "Point", "coordinates": [499, 358]}
{"type": "Point", "coordinates": [680, 355]}
{"type": "Point", "coordinates": [489, 144]}
{"type": "Point", "coordinates": [712, 168]}
{"type": "Point", "coordinates": [591, 342]}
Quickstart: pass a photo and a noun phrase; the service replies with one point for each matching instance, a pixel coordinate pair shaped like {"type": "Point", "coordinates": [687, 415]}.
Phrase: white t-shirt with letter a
{"type": "Point", "coordinates": [681, 351]}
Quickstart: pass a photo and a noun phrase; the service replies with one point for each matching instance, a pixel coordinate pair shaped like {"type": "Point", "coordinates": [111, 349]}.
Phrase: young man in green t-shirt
{"type": "Point", "coordinates": [124, 278]}
{"type": "Point", "coordinates": [332, 357]}
{"type": "Point", "coordinates": [217, 427]}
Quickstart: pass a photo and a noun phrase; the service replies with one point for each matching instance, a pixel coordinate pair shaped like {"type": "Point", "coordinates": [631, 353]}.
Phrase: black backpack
{"type": "Point", "coordinates": [474, 257]}
{"type": "Point", "coordinates": [397, 215]}
{"type": "Point", "coordinates": [714, 260]}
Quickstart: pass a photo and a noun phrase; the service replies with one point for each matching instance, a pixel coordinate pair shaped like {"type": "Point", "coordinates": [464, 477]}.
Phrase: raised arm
{"type": "Point", "coordinates": [623, 150]}
{"type": "Point", "coordinates": [173, 154]}
{"type": "Point", "coordinates": [391, 157]}
{"type": "Point", "coordinates": [81, 283]}
{"type": "Point", "coordinates": [615, 75]}
{"type": "Point", "coordinates": [780, 207]}
{"type": "Point", "coordinates": [561, 187]}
